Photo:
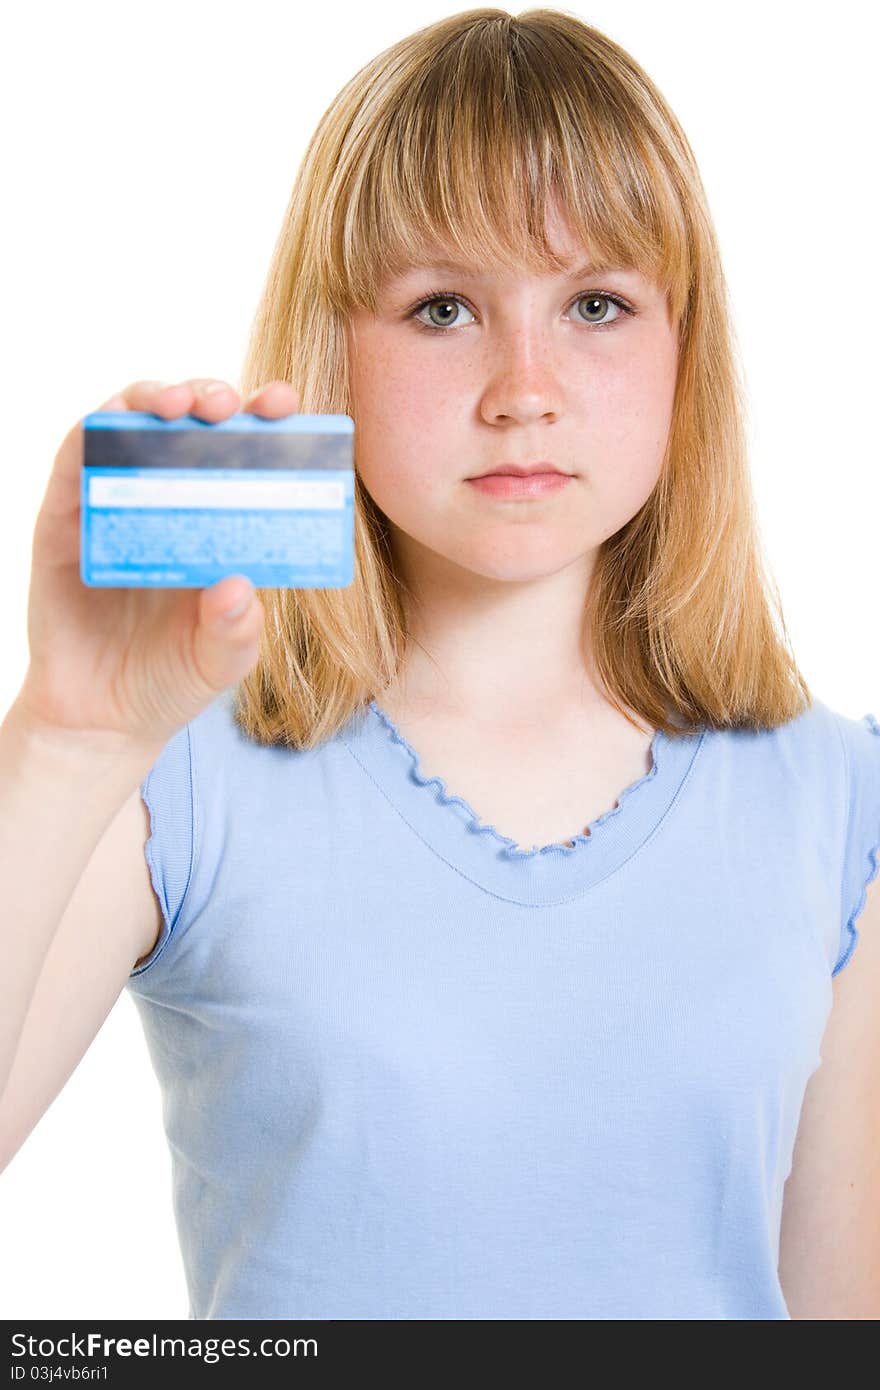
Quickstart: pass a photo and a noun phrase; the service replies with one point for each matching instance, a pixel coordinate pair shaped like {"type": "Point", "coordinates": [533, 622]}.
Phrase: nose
{"type": "Point", "coordinates": [523, 386]}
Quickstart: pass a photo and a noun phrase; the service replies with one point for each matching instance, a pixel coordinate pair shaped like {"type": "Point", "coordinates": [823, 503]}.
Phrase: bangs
{"type": "Point", "coordinates": [467, 153]}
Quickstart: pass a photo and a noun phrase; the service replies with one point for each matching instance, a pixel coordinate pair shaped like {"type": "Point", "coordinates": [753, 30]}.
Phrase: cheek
{"type": "Point", "coordinates": [402, 446]}
{"type": "Point", "coordinates": [391, 386]}
{"type": "Point", "coordinates": [393, 439]}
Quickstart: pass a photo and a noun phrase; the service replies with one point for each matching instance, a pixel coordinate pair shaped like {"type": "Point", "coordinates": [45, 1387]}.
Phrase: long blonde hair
{"type": "Point", "coordinates": [461, 135]}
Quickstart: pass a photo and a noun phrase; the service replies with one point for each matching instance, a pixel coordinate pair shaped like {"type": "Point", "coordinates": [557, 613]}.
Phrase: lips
{"type": "Point", "coordinates": [514, 470]}
{"type": "Point", "coordinates": [514, 487]}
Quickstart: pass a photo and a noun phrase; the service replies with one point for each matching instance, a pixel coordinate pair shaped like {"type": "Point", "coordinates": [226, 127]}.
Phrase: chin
{"type": "Point", "coordinates": [513, 570]}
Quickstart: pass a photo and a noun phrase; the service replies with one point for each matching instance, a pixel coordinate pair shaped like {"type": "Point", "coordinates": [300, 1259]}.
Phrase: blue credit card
{"type": "Point", "coordinates": [183, 503]}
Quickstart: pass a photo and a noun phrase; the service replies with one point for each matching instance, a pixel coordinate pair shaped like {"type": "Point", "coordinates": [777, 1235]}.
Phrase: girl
{"type": "Point", "coordinates": [489, 957]}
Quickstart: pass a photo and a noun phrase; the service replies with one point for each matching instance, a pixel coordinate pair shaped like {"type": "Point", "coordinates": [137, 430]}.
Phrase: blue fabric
{"type": "Point", "coordinates": [411, 1071]}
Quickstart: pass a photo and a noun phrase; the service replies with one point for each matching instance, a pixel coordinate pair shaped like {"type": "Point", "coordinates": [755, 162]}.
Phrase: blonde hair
{"type": "Point", "coordinates": [460, 135]}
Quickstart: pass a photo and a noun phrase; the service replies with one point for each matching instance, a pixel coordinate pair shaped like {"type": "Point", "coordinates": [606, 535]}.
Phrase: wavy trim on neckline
{"type": "Point", "coordinates": [510, 846]}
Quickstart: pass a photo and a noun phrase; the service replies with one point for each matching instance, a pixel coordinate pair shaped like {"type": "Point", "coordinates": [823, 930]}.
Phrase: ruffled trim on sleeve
{"type": "Point", "coordinates": [167, 792]}
{"type": "Point", "coordinates": [871, 869]}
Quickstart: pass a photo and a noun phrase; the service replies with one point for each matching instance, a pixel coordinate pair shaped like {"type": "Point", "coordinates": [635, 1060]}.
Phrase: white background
{"type": "Point", "coordinates": [148, 154]}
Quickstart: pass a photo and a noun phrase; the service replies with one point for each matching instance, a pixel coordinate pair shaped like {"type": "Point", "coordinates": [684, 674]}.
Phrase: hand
{"type": "Point", "coordinates": [133, 665]}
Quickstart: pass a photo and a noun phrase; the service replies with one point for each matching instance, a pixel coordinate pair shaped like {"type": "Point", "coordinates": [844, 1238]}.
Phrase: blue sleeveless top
{"type": "Point", "coordinates": [409, 1070]}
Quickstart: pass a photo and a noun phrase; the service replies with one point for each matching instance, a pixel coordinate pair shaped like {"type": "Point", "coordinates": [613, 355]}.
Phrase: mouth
{"type": "Point", "coordinates": [515, 470]}
{"type": "Point", "coordinates": [521, 486]}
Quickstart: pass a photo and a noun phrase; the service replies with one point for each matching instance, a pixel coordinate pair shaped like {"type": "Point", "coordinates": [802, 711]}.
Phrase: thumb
{"type": "Point", "coordinates": [227, 601]}
{"type": "Point", "coordinates": [229, 629]}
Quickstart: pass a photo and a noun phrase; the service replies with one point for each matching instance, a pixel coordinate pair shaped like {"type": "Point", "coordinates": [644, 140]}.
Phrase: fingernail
{"type": "Point", "coordinates": [232, 613]}
{"type": "Point", "coordinates": [213, 387]}
{"type": "Point", "coordinates": [238, 608]}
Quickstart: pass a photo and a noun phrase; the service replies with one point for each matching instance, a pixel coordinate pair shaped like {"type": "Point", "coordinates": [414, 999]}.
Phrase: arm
{"type": "Point", "coordinates": [829, 1263]}
{"type": "Point", "coordinates": [57, 799]}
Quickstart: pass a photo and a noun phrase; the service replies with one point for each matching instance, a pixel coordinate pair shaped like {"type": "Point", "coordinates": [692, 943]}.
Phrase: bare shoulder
{"type": "Point", "coordinates": [118, 873]}
{"type": "Point", "coordinates": [829, 1263]}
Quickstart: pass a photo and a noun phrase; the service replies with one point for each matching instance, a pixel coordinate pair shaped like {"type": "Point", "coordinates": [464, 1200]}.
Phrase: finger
{"type": "Point", "coordinates": [212, 400]}
{"type": "Point", "coordinates": [206, 398]}
{"type": "Point", "coordinates": [273, 400]}
{"type": "Point", "coordinates": [162, 398]}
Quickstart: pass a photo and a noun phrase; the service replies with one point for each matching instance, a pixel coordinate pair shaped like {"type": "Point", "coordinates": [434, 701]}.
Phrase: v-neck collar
{"type": "Point", "coordinates": [451, 827]}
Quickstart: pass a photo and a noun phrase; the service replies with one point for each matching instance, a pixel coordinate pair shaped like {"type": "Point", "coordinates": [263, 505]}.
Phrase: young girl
{"type": "Point", "coordinates": [489, 929]}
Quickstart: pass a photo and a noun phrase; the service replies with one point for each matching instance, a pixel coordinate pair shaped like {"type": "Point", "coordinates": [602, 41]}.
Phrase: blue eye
{"type": "Point", "coordinates": [592, 298]}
